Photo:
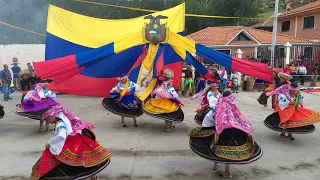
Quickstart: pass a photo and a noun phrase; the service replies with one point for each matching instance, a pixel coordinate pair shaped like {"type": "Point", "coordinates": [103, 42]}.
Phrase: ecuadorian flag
{"type": "Point", "coordinates": [84, 55]}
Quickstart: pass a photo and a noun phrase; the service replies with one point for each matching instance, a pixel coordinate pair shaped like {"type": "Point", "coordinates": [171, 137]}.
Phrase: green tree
{"type": "Point", "coordinates": [299, 3]}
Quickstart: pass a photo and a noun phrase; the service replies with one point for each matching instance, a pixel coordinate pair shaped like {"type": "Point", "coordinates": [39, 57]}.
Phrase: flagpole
{"type": "Point", "coordinates": [274, 32]}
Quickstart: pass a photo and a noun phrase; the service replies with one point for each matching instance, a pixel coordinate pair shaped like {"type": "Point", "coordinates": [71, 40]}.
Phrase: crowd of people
{"type": "Point", "coordinates": [224, 135]}
{"type": "Point", "coordinates": [235, 80]}
{"type": "Point", "coordinates": [232, 80]}
{"type": "Point", "coordinates": [299, 72]}
{"type": "Point", "coordinates": [23, 80]}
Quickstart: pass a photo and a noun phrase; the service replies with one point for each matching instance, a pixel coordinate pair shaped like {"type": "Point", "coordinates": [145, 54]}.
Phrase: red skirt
{"type": "Point", "coordinates": [292, 118]}
{"type": "Point", "coordinates": [78, 150]}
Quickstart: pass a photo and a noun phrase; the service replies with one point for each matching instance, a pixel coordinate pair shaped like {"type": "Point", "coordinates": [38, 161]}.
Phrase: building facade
{"type": "Point", "coordinates": [302, 22]}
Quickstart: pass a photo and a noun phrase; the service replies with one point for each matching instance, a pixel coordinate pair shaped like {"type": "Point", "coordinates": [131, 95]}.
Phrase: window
{"type": "Point", "coordinates": [308, 22]}
{"type": "Point", "coordinates": [242, 37]}
{"type": "Point", "coordinates": [285, 27]}
{"type": "Point", "coordinates": [281, 52]}
{"type": "Point", "coordinates": [225, 51]}
{"type": "Point", "coordinates": [308, 52]}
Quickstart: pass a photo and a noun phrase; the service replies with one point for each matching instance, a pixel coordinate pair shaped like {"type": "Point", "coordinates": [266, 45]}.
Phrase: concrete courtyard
{"type": "Point", "coordinates": [146, 152]}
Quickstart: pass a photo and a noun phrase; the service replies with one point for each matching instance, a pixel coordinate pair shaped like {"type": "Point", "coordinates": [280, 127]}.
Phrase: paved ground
{"type": "Point", "coordinates": [147, 152]}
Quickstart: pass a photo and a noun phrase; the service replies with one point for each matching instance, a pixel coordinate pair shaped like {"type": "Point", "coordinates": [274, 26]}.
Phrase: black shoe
{"type": "Point", "coordinates": [9, 98]}
{"type": "Point", "coordinates": [5, 99]}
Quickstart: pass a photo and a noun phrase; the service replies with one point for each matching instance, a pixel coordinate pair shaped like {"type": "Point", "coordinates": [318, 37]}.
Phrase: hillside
{"type": "Point", "coordinates": [32, 14]}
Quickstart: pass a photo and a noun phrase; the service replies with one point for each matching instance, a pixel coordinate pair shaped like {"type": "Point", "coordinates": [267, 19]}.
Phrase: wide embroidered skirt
{"type": "Point", "coordinates": [127, 107]}
{"type": "Point", "coordinates": [291, 117]}
{"type": "Point", "coordinates": [272, 122]}
{"type": "Point", "coordinates": [35, 106]}
{"type": "Point", "coordinates": [291, 120]}
{"type": "Point", "coordinates": [232, 146]}
{"type": "Point", "coordinates": [32, 115]}
{"type": "Point", "coordinates": [164, 109]}
{"type": "Point", "coordinates": [81, 157]}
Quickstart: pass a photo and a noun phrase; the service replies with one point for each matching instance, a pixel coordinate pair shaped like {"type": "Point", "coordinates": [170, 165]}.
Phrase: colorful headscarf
{"type": "Point", "coordinates": [37, 94]}
{"type": "Point", "coordinates": [73, 122]}
{"type": "Point", "coordinates": [283, 89]}
{"type": "Point", "coordinates": [228, 116]}
{"type": "Point", "coordinates": [163, 91]}
{"type": "Point", "coordinates": [204, 91]}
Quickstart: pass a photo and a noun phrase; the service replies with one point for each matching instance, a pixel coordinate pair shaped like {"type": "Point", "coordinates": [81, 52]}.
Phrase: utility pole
{"type": "Point", "coordinates": [274, 32]}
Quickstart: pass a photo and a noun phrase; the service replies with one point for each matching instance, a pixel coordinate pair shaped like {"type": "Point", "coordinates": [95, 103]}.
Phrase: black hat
{"type": "Point", "coordinates": [226, 94]}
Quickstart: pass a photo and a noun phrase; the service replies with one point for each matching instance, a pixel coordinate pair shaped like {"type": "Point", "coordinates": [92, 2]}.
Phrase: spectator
{"type": "Point", "coordinates": [188, 81]}
{"type": "Point", "coordinates": [259, 83]}
{"type": "Point", "coordinates": [245, 82]}
{"type": "Point", "coordinates": [16, 70]}
{"type": "Point", "coordinates": [30, 68]}
{"type": "Point", "coordinates": [293, 72]}
{"type": "Point", "coordinates": [224, 77]}
{"type": "Point", "coordinates": [314, 78]}
{"type": "Point", "coordinates": [302, 71]}
{"type": "Point", "coordinates": [6, 78]}
{"type": "Point", "coordinates": [200, 82]}
{"type": "Point", "coordinates": [34, 80]}
{"type": "Point", "coordinates": [234, 77]}
{"type": "Point", "coordinates": [287, 69]}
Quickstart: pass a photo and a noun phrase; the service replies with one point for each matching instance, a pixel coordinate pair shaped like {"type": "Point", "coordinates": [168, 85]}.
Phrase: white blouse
{"type": "Point", "coordinates": [213, 98]}
{"type": "Point", "coordinates": [285, 99]}
{"type": "Point", "coordinates": [57, 142]}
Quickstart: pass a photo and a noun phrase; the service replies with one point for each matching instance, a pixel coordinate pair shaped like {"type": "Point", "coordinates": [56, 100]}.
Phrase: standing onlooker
{"type": "Point", "coordinates": [259, 84]}
{"type": "Point", "coordinates": [234, 77]}
{"type": "Point", "coordinates": [200, 82]}
{"type": "Point", "coordinates": [287, 69]}
{"type": "Point", "coordinates": [224, 77]}
{"type": "Point", "coordinates": [34, 80]}
{"type": "Point", "coordinates": [302, 71]}
{"type": "Point", "coordinates": [314, 78]}
{"type": "Point", "coordinates": [293, 72]}
{"type": "Point", "coordinates": [16, 70]}
{"type": "Point", "coordinates": [6, 77]}
{"type": "Point", "coordinates": [188, 81]}
{"type": "Point", "coordinates": [245, 83]}
{"type": "Point", "coordinates": [250, 83]}
{"type": "Point", "coordinates": [30, 68]}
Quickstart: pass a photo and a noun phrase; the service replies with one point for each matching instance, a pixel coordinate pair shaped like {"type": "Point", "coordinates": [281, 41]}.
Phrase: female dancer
{"type": "Point", "coordinates": [36, 102]}
{"type": "Point", "coordinates": [290, 116]}
{"type": "Point", "coordinates": [210, 96]}
{"type": "Point", "coordinates": [73, 152]}
{"type": "Point", "coordinates": [213, 97]}
{"type": "Point", "coordinates": [164, 102]}
{"type": "Point", "coordinates": [122, 100]}
{"type": "Point", "coordinates": [231, 143]}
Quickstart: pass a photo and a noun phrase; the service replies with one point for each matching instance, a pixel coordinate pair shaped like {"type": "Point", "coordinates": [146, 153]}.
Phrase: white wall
{"type": "Point", "coordinates": [26, 53]}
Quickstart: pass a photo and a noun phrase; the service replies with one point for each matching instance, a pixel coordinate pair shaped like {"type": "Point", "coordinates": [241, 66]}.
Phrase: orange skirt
{"type": "Point", "coordinates": [78, 150]}
{"type": "Point", "coordinates": [292, 118]}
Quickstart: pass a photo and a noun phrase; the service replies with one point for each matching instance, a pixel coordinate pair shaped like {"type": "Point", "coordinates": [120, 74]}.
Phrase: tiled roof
{"type": "Point", "coordinates": [212, 36]}
{"type": "Point", "coordinates": [307, 7]}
